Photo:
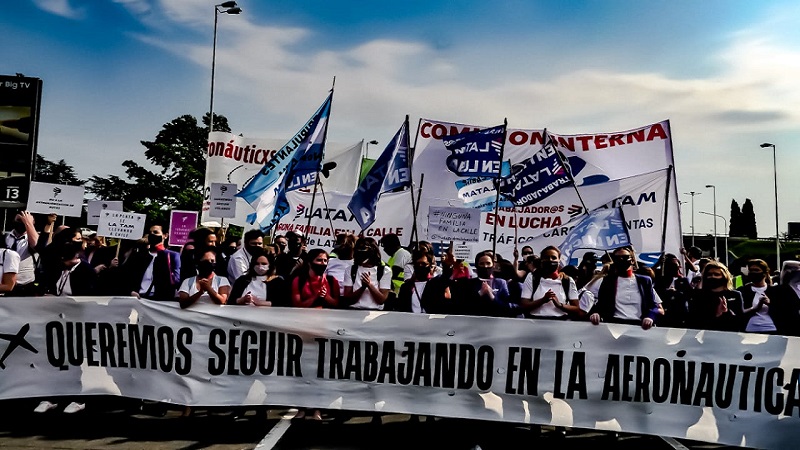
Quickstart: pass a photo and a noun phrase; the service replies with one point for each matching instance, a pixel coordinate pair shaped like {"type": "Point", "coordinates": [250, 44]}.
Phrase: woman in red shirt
{"type": "Point", "coordinates": [311, 288]}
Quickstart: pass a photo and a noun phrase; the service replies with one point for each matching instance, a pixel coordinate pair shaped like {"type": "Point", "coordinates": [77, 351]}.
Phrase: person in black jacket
{"type": "Point", "coordinates": [424, 293]}
{"type": "Point", "coordinates": [625, 297]}
{"type": "Point", "coordinates": [785, 300]}
{"type": "Point", "coordinates": [155, 273]}
{"type": "Point", "coordinates": [716, 306]}
{"type": "Point", "coordinates": [76, 278]}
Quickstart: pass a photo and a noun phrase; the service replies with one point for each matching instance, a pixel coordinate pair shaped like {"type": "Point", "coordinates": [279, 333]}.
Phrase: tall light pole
{"type": "Point", "coordinates": [692, 193]}
{"type": "Point", "coordinates": [227, 8]}
{"type": "Point", "coordinates": [725, 221]}
{"type": "Point", "coordinates": [715, 218]}
{"type": "Point", "coordinates": [777, 234]}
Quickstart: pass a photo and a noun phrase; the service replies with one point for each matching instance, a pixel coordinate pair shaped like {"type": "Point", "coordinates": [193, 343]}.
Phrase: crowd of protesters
{"type": "Point", "coordinates": [685, 291]}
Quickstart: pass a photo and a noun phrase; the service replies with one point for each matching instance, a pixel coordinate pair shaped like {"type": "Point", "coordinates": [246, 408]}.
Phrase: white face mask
{"type": "Point", "coordinates": [261, 269]}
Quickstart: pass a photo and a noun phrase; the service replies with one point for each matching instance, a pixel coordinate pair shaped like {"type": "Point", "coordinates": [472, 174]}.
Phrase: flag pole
{"type": "Point", "coordinates": [568, 168]}
{"type": "Point", "coordinates": [415, 211]}
{"type": "Point", "coordinates": [319, 164]}
{"type": "Point", "coordinates": [324, 200]}
{"type": "Point", "coordinates": [497, 190]}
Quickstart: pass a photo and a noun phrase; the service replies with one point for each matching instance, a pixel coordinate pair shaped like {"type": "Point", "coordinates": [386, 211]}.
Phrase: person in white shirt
{"type": "Point", "coordinates": [368, 284]}
{"type": "Point", "coordinates": [9, 266]}
{"type": "Point", "coordinates": [206, 287]}
{"type": "Point", "coordinates": [252, 242]}
{"type": "Point", "coordinates": [23, 240]}
{"type": "Point", "coordinates": [626, 297]}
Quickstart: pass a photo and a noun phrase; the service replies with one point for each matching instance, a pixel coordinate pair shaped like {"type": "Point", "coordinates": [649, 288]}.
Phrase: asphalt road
{"type": "Point", "coordinates": [109, 425]}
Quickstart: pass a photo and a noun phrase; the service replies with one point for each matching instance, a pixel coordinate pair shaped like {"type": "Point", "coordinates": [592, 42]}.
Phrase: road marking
{"type": "Point", "coordinates": [674, 443]}
{"type": "Point", "coordinates": [277, 432]}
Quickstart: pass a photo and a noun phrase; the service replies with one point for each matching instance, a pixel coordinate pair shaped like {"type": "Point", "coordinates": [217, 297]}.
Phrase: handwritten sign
{"type": "Point", "coordinates": [223, 202]}
{"type": "Point", "coordinates": [453, 224]}
{"type": "Point", "coordinates": [61, 199]}
{"type": "Point", "coordinates": [96, 206]}
{"type": "Point", "coordinates": [121, 225]}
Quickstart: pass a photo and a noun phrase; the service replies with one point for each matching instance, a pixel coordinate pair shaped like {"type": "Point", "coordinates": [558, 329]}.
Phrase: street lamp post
{"type": "Point", "coordinates": [227, 8]}
{"type": "Point", "coordinates": [777, 234]}
{"type": "Point", "coordinates": [715, 218]}
{"type": "Point", "coordinates": [692, 193]}
{"type": "Point", "coordinates": [725, 221]}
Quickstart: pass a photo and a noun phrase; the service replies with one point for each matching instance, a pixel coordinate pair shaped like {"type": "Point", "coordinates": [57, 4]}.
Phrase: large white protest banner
{"type": "Point", "coordinates": [728, 388]}
{"type": "Point", "coordinates": [330, 216]}
{"type": "Point", "coordinates": [61, 199]}
{"type": "Point", "coordinates": [234, 159]}
{"type": "Point", "coordinates": [595, 160]}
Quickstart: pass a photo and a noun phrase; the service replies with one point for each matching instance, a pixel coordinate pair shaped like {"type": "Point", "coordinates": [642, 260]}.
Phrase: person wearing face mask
{"type": "Point", "coordinates": [484, 294]}
{"type": "Point", "coordinates": [206, 287]}
{"type": "Point", "coordinates": [674, 290]}
{"type": "Point", "coordinates": [547, 293]}
{"type": "Point", "coordinates": [253, 241]}
{"type": "Point", "coordinates": [75, 277]}
{"type": "Point", "coordinates": [784, 300]}
{"type": "Point", "coordinates": [293, 256]}
{"type": "Point", "coordinates": [369, 281]}
{"type": "Point", "coordinates": [716, 306]}
{"type": "Point", "coordinates": [312, 288]}
{"type": "Point", "coordinates": [756, 305]}
{"type": "Point", "coordinates": [626, 297]}
{"type": "Point", "coordinates": [424, 292]}
{"type": "Point", "coordinates": [155, 272]}
{"type": "Point", "coordinates": [23, 239]}
{"type": "Point", "coordinates": [260, 286]}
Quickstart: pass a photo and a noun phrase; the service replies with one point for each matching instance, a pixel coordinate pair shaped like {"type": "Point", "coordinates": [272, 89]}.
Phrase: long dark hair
{"type": "Point", "coordinates": [258, 253]}
{"type": "Point", "coordinates": [302, 274]}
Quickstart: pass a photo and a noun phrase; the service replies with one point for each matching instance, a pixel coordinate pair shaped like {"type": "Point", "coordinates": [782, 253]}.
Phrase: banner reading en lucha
{"type": "Point", "coordinates": [595, 160]}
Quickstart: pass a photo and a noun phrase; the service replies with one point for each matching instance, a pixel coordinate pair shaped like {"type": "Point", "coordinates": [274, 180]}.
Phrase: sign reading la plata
{"type": "Point", "coordinates": [121, 225]}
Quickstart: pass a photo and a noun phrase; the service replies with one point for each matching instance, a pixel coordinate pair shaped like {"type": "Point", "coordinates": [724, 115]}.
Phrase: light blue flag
{"type": "Point", "coordinates": [294, 166]}
{"type": "Point", "coordinates": [601, 229]}
{"type": "Point", "coordinates": [389, 173]}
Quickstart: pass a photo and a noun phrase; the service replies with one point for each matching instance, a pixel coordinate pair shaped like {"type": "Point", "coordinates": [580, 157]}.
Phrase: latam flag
{"type": "Point", "coordinates": [476, 153]}
{"type": "Point", "coordinates": [601, 229]}
{"type": "Point", "coordinates": [294, 166]}
{"type": "Point", "coordinates": [389, 173]}
{"type": "Point", "coordinates": [537, 177]}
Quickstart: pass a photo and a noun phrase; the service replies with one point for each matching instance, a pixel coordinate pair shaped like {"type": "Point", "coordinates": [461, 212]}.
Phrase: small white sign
{"type": "Point", "coordinates": [121, 225]}
{"type": "Point", "coordinates": [97, 206]}
{"type": "Point", "coordinates": [223, 200]}
{"type": "Point", "coordinates": [453, 224]}
{"type": "Point", "coordinates": [61, 199]}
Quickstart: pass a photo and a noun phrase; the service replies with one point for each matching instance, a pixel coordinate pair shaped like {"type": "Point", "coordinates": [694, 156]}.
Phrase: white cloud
{"type": "Point", "coordinates": [136, 7]}
{"type": "Point", "coordinates": [60, 8]}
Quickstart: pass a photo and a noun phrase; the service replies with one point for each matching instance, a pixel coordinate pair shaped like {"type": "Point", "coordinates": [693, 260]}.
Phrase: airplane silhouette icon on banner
{"type": "Point", "coordinates": [14, 341]}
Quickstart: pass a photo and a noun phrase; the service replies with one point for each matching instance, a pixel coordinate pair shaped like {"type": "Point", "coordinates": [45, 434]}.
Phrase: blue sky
{"type": "Point", "coordinates": [724, 72]}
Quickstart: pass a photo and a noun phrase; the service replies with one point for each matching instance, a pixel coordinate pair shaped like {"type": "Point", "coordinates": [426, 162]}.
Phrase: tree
{"type": "Point", "coordinates": [749, 220]}
{"type": "Point", "coordinates": [179, 155]}
{"type": "Point", "coordinates": [56, 173]}
{"type": "Point", "coordinates": [736, 220]}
